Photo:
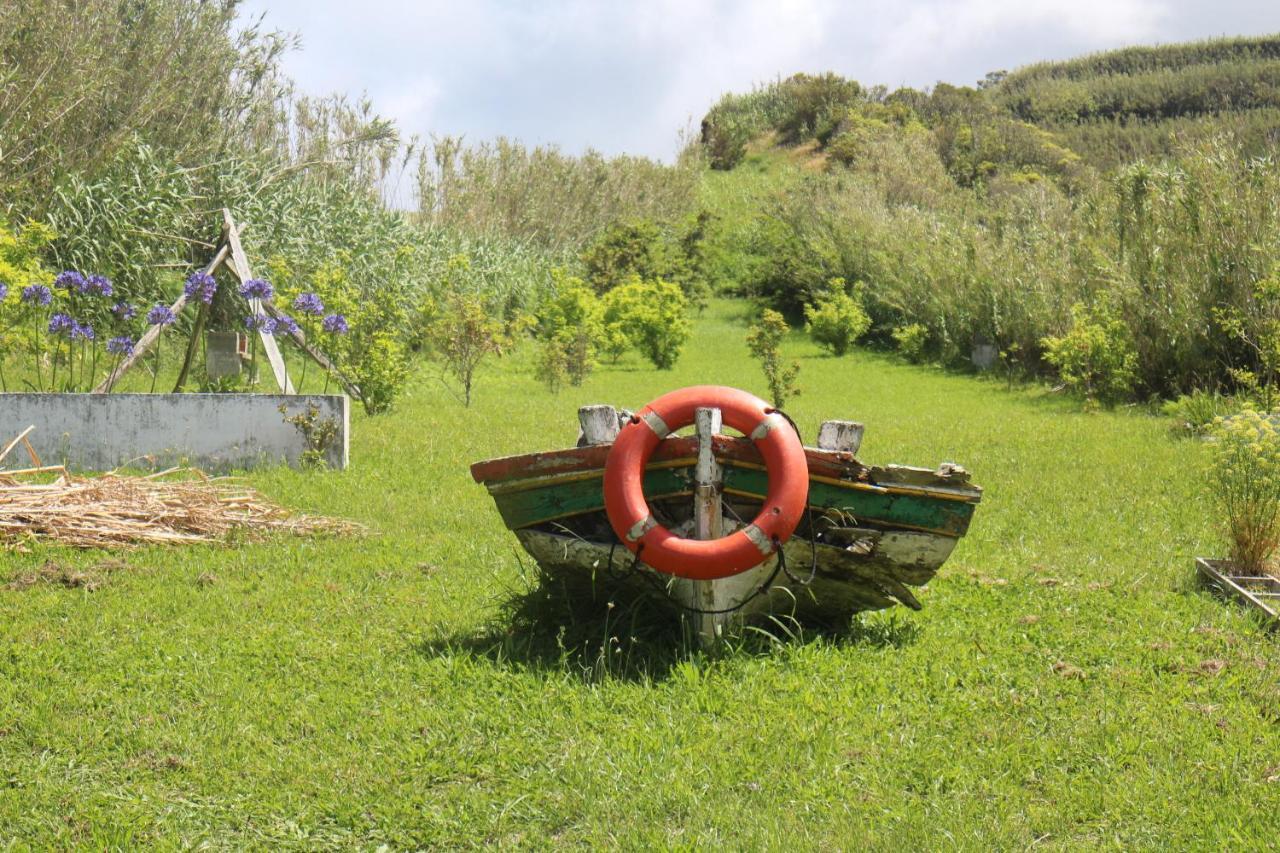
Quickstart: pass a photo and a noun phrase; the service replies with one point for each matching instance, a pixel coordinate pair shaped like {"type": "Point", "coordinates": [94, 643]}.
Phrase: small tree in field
{"type": "Point", "coordinates": [464, 334]}
{"type": "Point", "coordinates": [652, 316]}
{"type": "Point", "coordinates": [765, 342]}
{"type": "Point", "coordinates": [838, 319]}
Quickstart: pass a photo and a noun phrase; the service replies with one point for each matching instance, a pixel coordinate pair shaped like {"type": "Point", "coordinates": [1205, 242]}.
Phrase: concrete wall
{"type": "Point", "coordinates": [214, 432]}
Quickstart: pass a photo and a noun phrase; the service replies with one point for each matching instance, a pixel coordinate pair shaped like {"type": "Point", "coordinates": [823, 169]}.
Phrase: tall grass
{"type": "Point", "coordinates": [543, 196]}
{"type": "Point", "coordinates": [1168, 243]}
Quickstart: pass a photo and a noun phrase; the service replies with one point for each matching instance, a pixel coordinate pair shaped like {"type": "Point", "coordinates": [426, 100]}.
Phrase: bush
{"type": "Point", "coordinates": [571, 326]}
{"type": "Point", "coordinates": [653, 315]}
{"type": "Point", "coordinates": [625, 250]}
{"type": "Point", "coordinates": [646, 250]}
{"type": "Point", "coordinates": [466, 333]}
{"type": "Point", "coordinates": [764, 339]}
{"type": "Point", "coordinates": [912, 341]}
{"type": "Point", "coordinates": [1096, 358]}
{"type": "Point", "coordinates": [1195, 413]}
{"type": "Point", "coordinates": [1245, 482]}
{"type": "Point", "coordinates": [837, 320]}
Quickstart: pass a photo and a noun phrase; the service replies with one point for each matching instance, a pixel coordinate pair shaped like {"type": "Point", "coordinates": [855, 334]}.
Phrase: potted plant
{"type": "Point", "coordinates": [1244, 479]}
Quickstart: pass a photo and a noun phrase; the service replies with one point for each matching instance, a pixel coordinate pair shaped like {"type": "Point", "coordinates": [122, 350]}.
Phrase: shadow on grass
{"type": "Point", "coordinates": [633, 635]}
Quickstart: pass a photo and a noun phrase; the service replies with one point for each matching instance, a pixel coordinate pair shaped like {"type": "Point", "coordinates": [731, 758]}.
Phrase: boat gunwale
{"type": "Point", "coordinates": [507, 474]}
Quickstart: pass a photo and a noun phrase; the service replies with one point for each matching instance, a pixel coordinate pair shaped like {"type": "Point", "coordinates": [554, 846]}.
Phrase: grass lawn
{"type": "Point", "coordinates": [1067, 683]}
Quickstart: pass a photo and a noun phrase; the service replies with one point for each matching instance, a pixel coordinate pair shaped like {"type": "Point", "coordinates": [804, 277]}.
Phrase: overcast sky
{"type": "Point", "coordinates": [627, 77]}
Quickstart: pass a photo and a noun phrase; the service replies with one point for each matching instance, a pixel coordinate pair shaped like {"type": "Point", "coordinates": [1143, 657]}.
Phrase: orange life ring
{"type": "Point", "coordinates": [784, 503]}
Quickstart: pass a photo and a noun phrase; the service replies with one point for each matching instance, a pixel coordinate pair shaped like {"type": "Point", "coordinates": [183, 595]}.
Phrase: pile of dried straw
{"type": "Point", "coordinates": [178, 506]}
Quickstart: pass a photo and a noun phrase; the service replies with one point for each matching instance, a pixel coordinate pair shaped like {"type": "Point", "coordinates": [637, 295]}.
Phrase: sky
{"type": "Point", "coordinates": [629, 78]}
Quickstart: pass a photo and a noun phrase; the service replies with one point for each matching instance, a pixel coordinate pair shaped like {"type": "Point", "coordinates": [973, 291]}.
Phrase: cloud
{"type": "Point", "coordinates": [626, 78]}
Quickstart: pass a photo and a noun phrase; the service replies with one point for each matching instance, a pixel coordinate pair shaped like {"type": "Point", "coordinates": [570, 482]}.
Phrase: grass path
{"type": "Point", "coordinates": [1067, 683]}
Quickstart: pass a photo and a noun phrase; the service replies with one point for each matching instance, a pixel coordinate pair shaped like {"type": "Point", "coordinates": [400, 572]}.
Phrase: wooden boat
{"type": "Point", "coordinates": [870, 533]}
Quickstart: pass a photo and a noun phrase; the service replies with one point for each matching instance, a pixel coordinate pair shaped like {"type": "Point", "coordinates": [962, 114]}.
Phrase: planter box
{"type": "Point", "coordinates": [1261, 592]}
{"type": "Point", "coordinates": [213, 432]}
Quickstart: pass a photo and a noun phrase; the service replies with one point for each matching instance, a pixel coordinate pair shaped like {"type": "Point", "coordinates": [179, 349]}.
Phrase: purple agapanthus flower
{"type": "Point", "coordinates": [308, 303]}
{"type": "Point", "coordinates": [335, 324]}
{"type": "Point", "coordinates": [81, 331]}
{"type": "Point", "coordinates": [122, 345]}
{"type": "Point", "coordinates": [201, 285]}
{"type": "Point", "coordinates": [259, 323]}
{"type": "Point", "coordinates": [37, 294]}
{"type": "Point", "coordinates": [98, 285]}
{"type": "Point", "coordinates": [256, 288]}
{"type": "Point", "coordinates": [70, 280]}
{"type": "Point", "coordinates": [284, 325]}
{"type": "Point", "coordinates": [161, 315]}
{"type": "Point", "coordinates": [4, 290]}
{"type": "Point", "coordinates": [61, 324]}
{"type": "Point", "coordinates": [124, 310]}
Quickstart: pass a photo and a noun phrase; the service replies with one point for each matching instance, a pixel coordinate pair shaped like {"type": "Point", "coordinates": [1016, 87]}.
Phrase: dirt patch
{"type": "Point", "coordinates": [56, 574]}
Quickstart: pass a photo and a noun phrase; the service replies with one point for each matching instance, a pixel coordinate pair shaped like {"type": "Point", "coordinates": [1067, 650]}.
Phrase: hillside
{"type": "Point", "coordinates": [1058, 205]}
{"type": "Point", "coordinates": [1105, 109]}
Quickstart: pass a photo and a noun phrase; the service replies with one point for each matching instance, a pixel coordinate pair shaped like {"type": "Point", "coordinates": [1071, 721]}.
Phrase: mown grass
{"type": "Point", "coordinates": [1067, 683]}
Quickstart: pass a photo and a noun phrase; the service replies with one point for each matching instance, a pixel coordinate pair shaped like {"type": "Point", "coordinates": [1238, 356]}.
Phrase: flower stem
{"type": "Point", "coordinates": [39, 369]}
{"type": "Point", "coordinates": [306, 334]}
{"type": "Point", "coordinates": [155, 374]}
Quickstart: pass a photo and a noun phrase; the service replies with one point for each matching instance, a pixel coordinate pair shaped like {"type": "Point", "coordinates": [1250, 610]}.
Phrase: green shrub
{"type": "Point", "coordinates": [1245, 481]}
{"type": "Point", "coordinates": [654, 317]}
{"type": "Point", "coordinates": [571, 327]}
{"type": "Point", "coordinates": [625, 250]}
{"type": "Point", "coordinates": [1096, 357]}
{"type": "Point", "coordinates": [912, 341]}
{"type": "Point", "coordinates": [1195, 413]}
{"type": "Point", "coordinates": [764, 339]}
{"type": "Point", "coordinates": [465, 334]}
{"type": "Point", "coordinates": [647, 250]}
{"type": "Point", "coordinates": [379, 365]}
{"type": "Point", "coordinates": [838, 320]}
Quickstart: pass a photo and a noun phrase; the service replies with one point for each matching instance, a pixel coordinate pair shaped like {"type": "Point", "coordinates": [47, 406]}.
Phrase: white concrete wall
{"type": "Point", "coordinates": [214, 432]}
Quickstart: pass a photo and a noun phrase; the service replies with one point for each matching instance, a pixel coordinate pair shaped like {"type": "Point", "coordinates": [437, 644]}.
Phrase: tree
{"type": "Point", "coordinates": [465, 333]}
{"type": "Point", "coordinates": [765, 342]}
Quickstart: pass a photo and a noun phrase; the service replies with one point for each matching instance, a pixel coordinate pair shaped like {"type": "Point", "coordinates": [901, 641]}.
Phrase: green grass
{"type": "Point", "coordinates": [1067, 683]}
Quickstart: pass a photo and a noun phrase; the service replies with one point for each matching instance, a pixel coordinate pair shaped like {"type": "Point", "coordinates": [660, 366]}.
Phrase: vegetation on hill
{"type": "Point", "coordinates": [979, 216]}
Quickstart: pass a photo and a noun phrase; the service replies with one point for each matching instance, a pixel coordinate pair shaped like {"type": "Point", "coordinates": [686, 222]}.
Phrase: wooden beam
{"type": "Point", "coordinates": [240, 266]}
{"type": "Point", "coordinates": [845, 436]}
{"type": "Point", "coordinates": [598, 425]}
{"type": "Point", "coordinates": [299, 337]}
{"type": "Point", "coordinates": [152, 334]}
{"type": "Point", "coordinates": [707, 524]}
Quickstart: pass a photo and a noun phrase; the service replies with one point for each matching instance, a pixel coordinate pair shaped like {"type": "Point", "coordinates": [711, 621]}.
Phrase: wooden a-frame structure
{"type": "Point", "coordinates": [229, 252]}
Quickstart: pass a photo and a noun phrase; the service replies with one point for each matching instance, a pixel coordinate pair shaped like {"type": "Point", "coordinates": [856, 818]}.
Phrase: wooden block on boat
{"type": "Point", "coordinates": [600, 425]}
{"type": "Point", "coordinates": [845, 436]}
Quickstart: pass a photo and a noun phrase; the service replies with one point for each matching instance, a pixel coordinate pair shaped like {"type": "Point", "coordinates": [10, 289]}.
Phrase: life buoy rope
{"type": "Point", "coordinates": [784, 503]}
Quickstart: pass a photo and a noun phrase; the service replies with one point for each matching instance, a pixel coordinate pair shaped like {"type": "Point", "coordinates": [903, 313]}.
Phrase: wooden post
{"type": "Point", "coordinates": [707, 518]}
{"type": "Point", "coordinates": [845, 436]}
{"type": "Point", "coordinates": [599, 425]}
{"type": "Point", "coordinates": [240, 266]}
{"type": "Point", "coordinates": [318, 357]}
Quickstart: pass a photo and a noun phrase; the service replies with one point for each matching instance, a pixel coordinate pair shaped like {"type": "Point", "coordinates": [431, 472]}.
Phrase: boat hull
{"type": "Point", "coordinates": [869, 536]}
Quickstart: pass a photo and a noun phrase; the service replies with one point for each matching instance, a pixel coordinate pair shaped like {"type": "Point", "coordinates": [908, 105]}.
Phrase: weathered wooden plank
{"type": "Point", "coordinates": [1215, 572]}
{"type": "Point", "coordinates": [598, 425]}
{"type": "Point", "coordinates": [836, 465]}
{"type": "Point", "coordinates": [300, 338]}
{"type": "Point", "coordinates": [240, 266]}
{"type": "Point", "coordinates": [708, 479]}
{"type": "Point", "coordinates": [560, 497]}
{"type": "Point", "coordinates": [843, 436]}
{"type": "Point", "coordinates": [842, 584]}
